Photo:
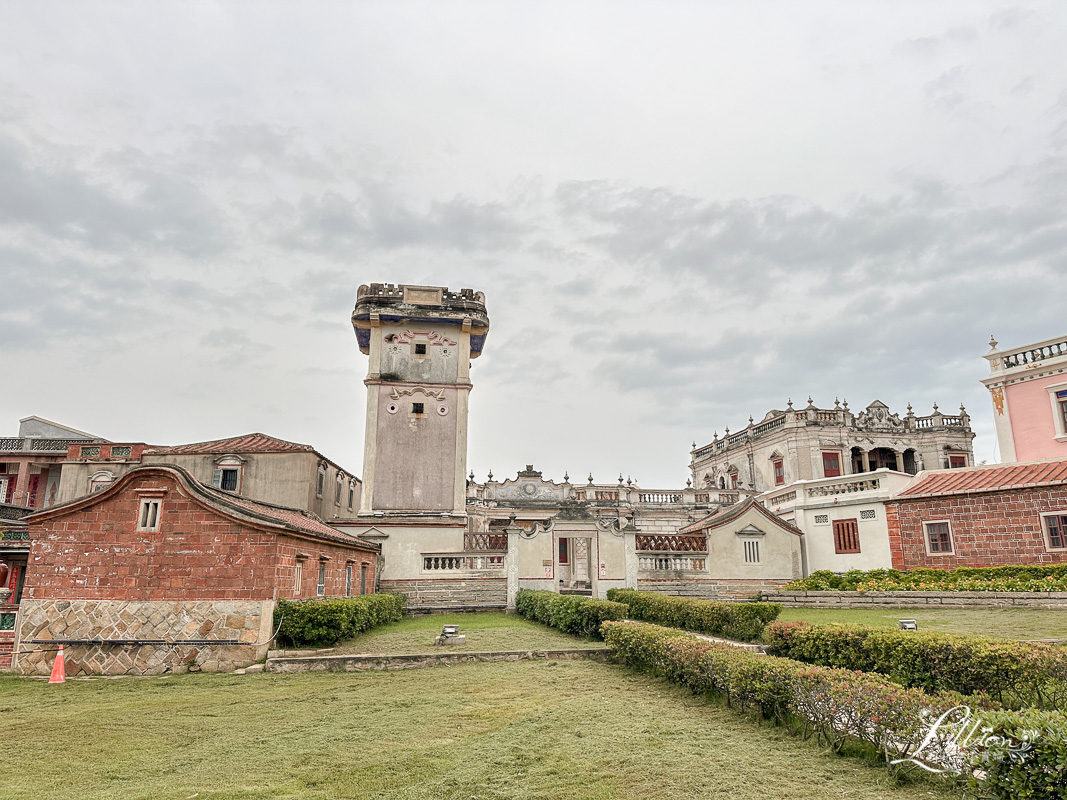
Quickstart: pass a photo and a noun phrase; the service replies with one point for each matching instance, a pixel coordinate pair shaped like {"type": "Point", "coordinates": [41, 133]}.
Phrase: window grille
{"type": "Point", "coordinates": [420, 349]}
{"type": "Point", "coordinates": [822, 519]}
{"type": "Point", "coordinates": [320, 589]}
{"type": "Point", "coordinates": [868, 515]}
{"type": "Point", "coordinates": [418, 408]}
{"type": "Point", "coordinates": [846, 536]}
{"type": "Point", "coordinates": [148, 515]}
{"type": "Point", "coordinates": [752, 551]}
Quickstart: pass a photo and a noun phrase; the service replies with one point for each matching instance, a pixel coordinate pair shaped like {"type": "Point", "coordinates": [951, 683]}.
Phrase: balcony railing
{"type": "Point", "coordinates": [34, 445]}
{"type": "Point", "coordinates": [844, 487]}
{"type": "Point", "coordinates": [660, 497]}
{"type": "Point", "coordinates": [1034, 355]}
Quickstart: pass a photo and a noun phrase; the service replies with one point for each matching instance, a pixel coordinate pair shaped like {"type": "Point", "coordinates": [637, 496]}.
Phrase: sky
{"type": "Point", "coordinates": [681, 213]}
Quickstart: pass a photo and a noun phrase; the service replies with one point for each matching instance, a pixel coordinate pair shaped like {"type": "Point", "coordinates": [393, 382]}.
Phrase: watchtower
{"type": "Point", "coordinates": [420, 340]}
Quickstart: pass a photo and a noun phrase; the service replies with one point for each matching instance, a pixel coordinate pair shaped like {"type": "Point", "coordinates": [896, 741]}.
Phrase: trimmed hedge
{"type": "Point", "coordinates": [573, 614]}
{"type": "Point", "coordinates": [326, 622]}
{"type": "Point", "coordinates": [1001, 768]}
{"type": "Point", "coordinates": [1009, 578]}
{"type": "Point", "coordinates": [836, 705]}
{"type": "Point", "coordinates": [741, 621]}
{"type": "Point", "coordinates": [1020, 673]}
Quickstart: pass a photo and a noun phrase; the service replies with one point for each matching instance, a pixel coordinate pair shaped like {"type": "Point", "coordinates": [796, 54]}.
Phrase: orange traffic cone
{"type": "Point", "coordinates": [59, 669]}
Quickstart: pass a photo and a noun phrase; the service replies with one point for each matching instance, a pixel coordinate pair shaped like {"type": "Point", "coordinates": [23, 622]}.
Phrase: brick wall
{"type": "Point", "coordinates": [987, 529]}
{"type": "Point", "coordinates": [97, 553]}
{"type": "Point", "coordinates": [440, 592]}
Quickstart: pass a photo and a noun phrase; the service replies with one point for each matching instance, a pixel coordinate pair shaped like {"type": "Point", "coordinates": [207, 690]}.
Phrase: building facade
{"type": "Point", "coordinates": [981, 517]}
{"type": "Point", "coordinates": [1028, 389]}
{"type": "Point", "coordinates": [810, 443]}
{"type": "Point", "coordinates": [843, 518]}
{"type": "Point", "coordinates": [255, 466]}
{"type": "Point", "coordinates": [159, 572]}
{"type": "Point", "coordinates": [31, 462]}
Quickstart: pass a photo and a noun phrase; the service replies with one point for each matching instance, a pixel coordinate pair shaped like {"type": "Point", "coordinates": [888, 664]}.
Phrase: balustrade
{"type": "Point", "coordinates": [660, 497]}
{"type": "Point", "coordinates": [778, 499]}
{"type": "Point", "coordinates": [457, 562]}
{"type": "Point", "coordinates": [674, 563]}
{"type": "Point", "coordinates": [1034, 355]}
{"type": "Point", "coordinates": [845, 487]}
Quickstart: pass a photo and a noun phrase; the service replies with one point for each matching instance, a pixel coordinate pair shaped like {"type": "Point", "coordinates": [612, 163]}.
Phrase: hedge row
{"type": "Point", "coordinates": [741, 621]}
{"type": "Point", "coordinates": [1011, 578]}
{"type": "Point", "coordinates": [842, 705]}
{"type": "Point", "coordinates": [1019, 673]}
{"type": "Point", "coordinates": [569, 613]}
{"type": "Point", "coordinates": [326, 622]}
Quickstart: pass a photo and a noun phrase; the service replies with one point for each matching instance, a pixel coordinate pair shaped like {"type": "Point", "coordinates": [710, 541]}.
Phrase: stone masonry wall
{"type": "Point", "coordinates": [903, 600]}
{"type": "Point", "coordinates": [248, 622]}
{"type": "Point", "coordinates": [987, 529]}
{"type": "Point", "coordinates": [706, 588]}
{"type": "Point", "coordinates": [440, 592]}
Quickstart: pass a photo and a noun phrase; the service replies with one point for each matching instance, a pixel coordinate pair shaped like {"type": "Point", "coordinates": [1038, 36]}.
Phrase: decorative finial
{"type": "Point", "coordinates": [935, 408]}
{"type": "Point", "coordinates": [750, 420]}
{"type": "Point", "coordinates": [910, 412]}
{"type": "Point", "coordinates": [694, 445]}
{"type": "Point", "coordinates": [590, 478]}
{"type": "Point", "coordinates": [727, 434]}
{"type": "Point", "coordinates": [566, 477]}
{"type": "Point", "coordinates": [472, 476]}
{"type": "Point", "coordinates": [620, 479]}
{"type": "Point", "coordinates": [963, 411]}
{"type": "Point", "coordinates": [629, 482]}
{"type": "Point", "coordinates": [688, 483]}
{"type": "Point", "coordinates": [837, 403]}
{"type": "Point", "coordinates": [715, 438]}
{"type": "Point", "coordinates": [789, 404]}
{"type": "Point", "coordinates": [844, 404]}
{"type": "Point", "coordinates": [809, 399]}
{"type": "Point", "coordinates": [992, 342]}
{"type": "Point", "coordinates": [490, 474]}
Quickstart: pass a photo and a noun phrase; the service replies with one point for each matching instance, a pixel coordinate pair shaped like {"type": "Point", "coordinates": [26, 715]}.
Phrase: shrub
{"type": "Point", "coordinates": [572, 614]}
{"type": "Point", "coordinates": [1022, 754]}
{"type": "Point", "coordinates": [741, 621]}
{"type": "Point", "coordinates": [835, 704]}
{"type": "Point", "coordinates": [1008, 578]}
{"type": "Point", "coordinates": [1024, 673]}
{"type": "Point", "coordinates": [326, 622]}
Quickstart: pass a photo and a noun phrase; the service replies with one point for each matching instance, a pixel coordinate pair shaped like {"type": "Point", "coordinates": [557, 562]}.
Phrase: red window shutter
{"type": "Point", "coordinates": [846, 536]}
{"type": "Point", "coordinates": [831, 465]}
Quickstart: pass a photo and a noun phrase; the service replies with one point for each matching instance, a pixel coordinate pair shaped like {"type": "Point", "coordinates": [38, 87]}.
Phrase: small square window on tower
{"type": "Point", "coordinates": [418, 408]}
{"type": "Point", "coordinates": [420, 349]}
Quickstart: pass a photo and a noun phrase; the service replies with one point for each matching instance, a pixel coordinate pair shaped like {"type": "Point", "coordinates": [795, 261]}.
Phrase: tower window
{"type": "Point", "coordinates": [418, 408]}
{"type": "Point", "coordinates": [420, 349]}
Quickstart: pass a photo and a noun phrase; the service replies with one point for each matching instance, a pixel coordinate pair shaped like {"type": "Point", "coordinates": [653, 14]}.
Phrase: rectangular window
{"type": "Point", "coordinates": [418, 408]}
{"type": "Point", "coordinates": [955, 462]}
{"type": "Point", "coordinates": [298, 578]}
{"type": "Point", "coordinates": [1061, 398]}
{"type": "Point", "coordinates": [320, 588]}
{"type": "Point", "coordinates": [228, 479]}
{"type": "Point", "coordinates": [321, 484]}
{"type": "Point", "coordinates": [348, 580]}
{"type": "Point", "coordinates": [363, 579]}
{"type": "Point", "coordinates": [148, 515]}
{"type": "Point", "coordinates": [734, 480]}
{"type": "Point", "coordinates": [938, 537]}
{"type": "Point", "coordinates": [868, 515]}
{"type": "Point", "coordinates": [831, 465]}
{"type": "Point", "coordinates": [822, 519]}
{"type": "Point", "coordinates": [779, 473]}
{"type": "Point", "coordinates": [351, 497]}
{"type": "Point", "coordinates": [751, 551]}
{"type": "Point", "coordinates": [563, 551]}
{"type": "Point", "coordinates": [846, 536]}
{"type": "Point", "coordinates": [1056, 525]}
{"type": "Point", "coordinates": [337, 495]}
{"type": "Point", "coordinates": [420, 349]}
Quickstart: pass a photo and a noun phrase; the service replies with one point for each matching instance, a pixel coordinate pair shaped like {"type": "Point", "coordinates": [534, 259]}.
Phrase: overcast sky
{"type": "Point", "coordinates": [681, 214]}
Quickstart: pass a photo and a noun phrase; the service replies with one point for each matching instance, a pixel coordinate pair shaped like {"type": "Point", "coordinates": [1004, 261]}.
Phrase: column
{"type": "Point", "coordinates": [900, 460]}
{"type": "Point", "coordinates": [865, 460]}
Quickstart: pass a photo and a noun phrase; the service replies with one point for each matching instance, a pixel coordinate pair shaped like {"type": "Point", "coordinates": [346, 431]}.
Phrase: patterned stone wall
{"type": "Point", "coordinates": [441, 592]}
{"type": "Point", "coordinates": [246, 621]}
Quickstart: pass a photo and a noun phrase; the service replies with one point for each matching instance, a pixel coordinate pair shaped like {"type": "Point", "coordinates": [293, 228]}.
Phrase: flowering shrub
{"type": "Point", "coordinates": [1021, 754]}
{"type": "Point", "coordinates": [741, 621]}
{"type": "Point", "coordinates": [1011, 578]}
{"type": "Point", "coordinates": [569, 613]}
{"type": "Point", "coordinates": [1021, 673]}
{"type": "Point", "coordinates": [328, 621]}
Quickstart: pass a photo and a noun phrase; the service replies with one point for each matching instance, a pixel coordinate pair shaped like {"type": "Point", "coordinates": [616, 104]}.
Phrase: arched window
{"type": "Point", "coordinates": [100, 480]}
{"type": "Point", "coordinates": [228, 474]}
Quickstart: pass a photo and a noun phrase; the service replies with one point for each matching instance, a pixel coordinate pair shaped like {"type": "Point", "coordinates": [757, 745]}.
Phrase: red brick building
{"type": "Point", "coordinates": [981, 516]}
{"type": "Point", "coordinates": [159, 572]}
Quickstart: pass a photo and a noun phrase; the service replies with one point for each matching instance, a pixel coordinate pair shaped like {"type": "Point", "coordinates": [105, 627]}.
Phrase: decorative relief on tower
{"type": "Point", "coordinates": [998, 399]}
{"type": "Point", "coordinates": [433, 338]}
{"type": "Point", "coordinates": [436, 394]}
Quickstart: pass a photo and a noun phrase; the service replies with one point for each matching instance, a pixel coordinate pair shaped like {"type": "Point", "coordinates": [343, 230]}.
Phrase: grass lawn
{"type": "Point", "coordinates": [1009, 623]}
{"type": "Point", "coordinates": [485, 632]}
{"type": "Point", "coordinates": [492, 730]}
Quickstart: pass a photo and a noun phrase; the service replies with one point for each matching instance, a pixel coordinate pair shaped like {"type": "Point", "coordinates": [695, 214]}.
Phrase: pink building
{"type": "Point", "coordinates": [1028, 386]}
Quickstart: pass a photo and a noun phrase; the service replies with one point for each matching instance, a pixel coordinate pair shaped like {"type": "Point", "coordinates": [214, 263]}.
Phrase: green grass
{"type": "Point", "coordinates": [488, 632]}
{"type": "Point", "coordinates": [516, 730]}
{"type": "Point", "coordinates": [1008, 623]}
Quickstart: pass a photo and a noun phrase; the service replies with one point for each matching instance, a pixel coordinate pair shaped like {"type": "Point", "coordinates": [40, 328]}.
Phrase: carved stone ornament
{"type": "Point", "coordinates": [436, 394]}
{"type": "Point", "coordinates": [878, 418]}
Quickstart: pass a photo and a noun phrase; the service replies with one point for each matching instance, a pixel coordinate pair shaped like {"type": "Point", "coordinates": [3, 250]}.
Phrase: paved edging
{"type": "Point", "coordinates": [361, 663]}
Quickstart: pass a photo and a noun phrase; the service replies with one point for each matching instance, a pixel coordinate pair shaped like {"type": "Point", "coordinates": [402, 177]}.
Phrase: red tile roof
{"type": "Point", "coordinates": [249, 443]}
{"type": "Point", "coordinates": [997, 477]}
{"type": "Point", "coordinates": [289, 517]}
